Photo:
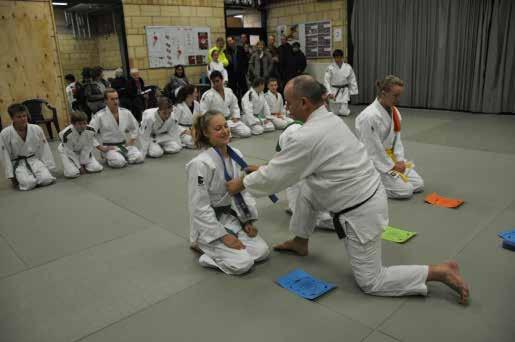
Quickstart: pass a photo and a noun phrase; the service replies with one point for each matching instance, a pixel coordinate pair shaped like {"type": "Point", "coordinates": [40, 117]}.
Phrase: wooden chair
{"type": "Point", "coordinates": [35, 107]}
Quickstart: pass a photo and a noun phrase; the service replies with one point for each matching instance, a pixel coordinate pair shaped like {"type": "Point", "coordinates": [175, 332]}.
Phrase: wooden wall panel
{"type": "Point", "coordinates": [29, 65]}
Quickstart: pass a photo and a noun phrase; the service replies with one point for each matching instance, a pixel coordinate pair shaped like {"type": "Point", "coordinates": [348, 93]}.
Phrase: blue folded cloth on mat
{"type": "Point", "coordinates": [508, 239]}
{"type": "Point", "coordinates": [304, 285]}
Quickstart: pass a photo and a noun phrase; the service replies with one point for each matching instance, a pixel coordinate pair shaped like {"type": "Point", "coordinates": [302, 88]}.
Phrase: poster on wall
{"type": "Point", "coordinates": [172, 45]}
{"type": "Point", "coordinates": [315, 38]}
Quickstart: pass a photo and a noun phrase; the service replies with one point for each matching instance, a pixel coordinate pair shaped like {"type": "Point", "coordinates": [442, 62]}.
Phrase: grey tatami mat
{"type": "Point", "coordinates": [105, 257]}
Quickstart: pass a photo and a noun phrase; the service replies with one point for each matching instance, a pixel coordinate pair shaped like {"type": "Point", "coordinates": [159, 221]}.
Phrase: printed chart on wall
{"type": "Point", "coordinates": [314, 38]}
{"type": "Point", "coordinates": [172, 45]}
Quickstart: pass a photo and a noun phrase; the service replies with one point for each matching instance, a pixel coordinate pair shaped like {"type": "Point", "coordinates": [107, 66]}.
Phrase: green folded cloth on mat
{"type": "Point", "coordinates": [397, 235]}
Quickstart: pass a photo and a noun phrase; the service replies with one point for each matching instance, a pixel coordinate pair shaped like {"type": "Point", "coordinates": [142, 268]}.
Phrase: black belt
{"type": "Point", "coordinates": [336, 216]}
{"type": "Point", "coordinates": [115, 144]}
{"type": "Point", "coordinates": [17, 161]}
{"type": "Point", "coordinates": [339, 87]}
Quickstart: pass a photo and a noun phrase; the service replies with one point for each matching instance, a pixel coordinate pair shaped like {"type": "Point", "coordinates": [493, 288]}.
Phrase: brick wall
{"type": "Point", "coordinates": [76, 53]}
{"type": "Point", "coordinates": [141, 13]}
{"type": "Point", "coordinates": [290, 12]}
{"type": "Point", "coordinates": [79, 53]}
{"type": "Point", "coordinates": [109, 55]}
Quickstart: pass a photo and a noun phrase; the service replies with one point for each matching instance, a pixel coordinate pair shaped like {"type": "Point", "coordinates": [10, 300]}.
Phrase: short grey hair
{"type": "Point", "coordinates": [307, 86]}
{"type": "Point", "coordinates": [118, 72]}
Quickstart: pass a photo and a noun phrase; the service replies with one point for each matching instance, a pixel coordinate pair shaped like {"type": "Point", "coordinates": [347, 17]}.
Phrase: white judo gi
{"type": "Point", "coordinates": [375, 128]}
{"type": "Point", "coordinates": [324, 219]}
{"type": "Point", "coordinates": [184, 116]}
{"type": "Point", "coordinates": [276, 105]}
{"type": "Point", "coordinates": [28, 161]}
{"type": "Point", "coordinates": [158, 137]}
{"type": "Point", "coordinates": [337, 174]}
{"type": "Point", "coordinates": [76, 150]}
{"type": "Point", "coordinates": [111, 133]}
{"type": "Point", "coordinates": [255, 112]}
{"type": "Point", "coordinates": [340, 82]}
{"type": "Point", "coordinates": [228, 106]}
{"type": "Point", "coordinates": [207, 191]}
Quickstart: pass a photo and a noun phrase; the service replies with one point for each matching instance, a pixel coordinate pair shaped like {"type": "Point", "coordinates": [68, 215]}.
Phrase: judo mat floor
{"type": "Point", "coordinates": [105, 257]}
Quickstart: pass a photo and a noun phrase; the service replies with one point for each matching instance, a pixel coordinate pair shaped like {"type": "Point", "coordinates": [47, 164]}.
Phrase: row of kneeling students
{"type": "Point", "coordinates": [114, 131]}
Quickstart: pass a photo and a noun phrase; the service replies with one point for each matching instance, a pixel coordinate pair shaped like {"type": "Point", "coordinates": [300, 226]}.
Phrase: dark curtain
{"type": "Point", "coordinates": [457, 55]}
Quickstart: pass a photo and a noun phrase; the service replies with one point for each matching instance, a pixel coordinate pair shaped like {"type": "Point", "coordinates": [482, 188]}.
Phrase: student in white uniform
{"type": "Point", "coordinates": [223, 100]}
{"type": "Point", "coordinates": [339, 177]}
{"type": "Point", "coordinates": [222, 226]}
{"type": "Point", "coordinates": [117, 131]}
{"type": "Point", "coordinates": [216, 65]}
{"type": "Point", "coordinates": [184, 111]}
{"type": "Point", "coordinates": [26, 155]}
{"type": "Point", "coordinates": [379, 128]}
{"type": "Point", "coordinates": [256, 113]}
{"type": "Point", "coordinates": [324, 219]}
{"type": "Point", "coordinates": [77, 146]}
{"type": "Point", "coordinates": [159, 131]}
{"type": "Point", "coordinates": [341, 83]}
{"type": "Point", "coordinates": [276, 105]}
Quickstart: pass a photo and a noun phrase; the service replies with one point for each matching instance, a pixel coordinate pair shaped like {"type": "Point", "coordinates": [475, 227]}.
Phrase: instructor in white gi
{"type": "Point", "coordinates": [379, 128]}
{"type": "Point", "coordinates": [340, 178]}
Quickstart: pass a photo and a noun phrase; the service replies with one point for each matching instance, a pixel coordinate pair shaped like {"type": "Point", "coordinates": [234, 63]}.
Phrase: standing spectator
{"type": "Point", "coordinates": [285, 55]}
{"type": "Point", "coordinates": [177, 81]}
{"type": "Point", "coordinates": [274, 52]}
{"type": "Point", "coordinates": [238, 66]}
{"type": "Point", "coordinates": [135, 86]}
{"type": "Point", "coordinates": [260, 64]}
{"type": "Point", "coordinates": [71, 90]}
{"type": "Point", "coordinates": [245, 43]}
{"type": "Point", "coordinates": [297, 63]}
{"type": "Point", "coordinates": [220, 43]}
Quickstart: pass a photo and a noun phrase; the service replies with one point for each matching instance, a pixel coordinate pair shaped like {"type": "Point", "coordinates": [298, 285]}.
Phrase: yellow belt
{"type": "Point", "coordinates": [409, 165]}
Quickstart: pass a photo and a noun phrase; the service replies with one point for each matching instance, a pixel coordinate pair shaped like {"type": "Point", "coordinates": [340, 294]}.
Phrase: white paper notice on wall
{"type": "Point", "coordinates": [172, 45]}
{"type": "Point", "coordinates": [337, 32]}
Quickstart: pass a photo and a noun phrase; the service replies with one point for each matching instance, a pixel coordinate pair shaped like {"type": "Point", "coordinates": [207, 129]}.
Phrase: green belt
{"type": "Point", "coordinates": [122, 149]}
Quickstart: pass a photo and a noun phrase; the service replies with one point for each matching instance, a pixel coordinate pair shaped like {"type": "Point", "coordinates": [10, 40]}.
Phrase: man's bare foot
{"type": "Point", "coordinates": [296, 245]}
{"type": "Point", "coordinates": [449, 274]}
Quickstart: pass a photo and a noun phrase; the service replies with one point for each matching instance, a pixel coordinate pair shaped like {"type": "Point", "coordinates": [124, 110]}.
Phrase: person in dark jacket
{"type": "Point", "coordinates": [285, 55]}
{"type": "Point", "coordinates": [135, 87]}
{"type": "Point", "coordinates": [119, 83]}
{"type": "Point", "coordinates": [237, 68]}
{"type": "Point", "coordinates": [296, 64]}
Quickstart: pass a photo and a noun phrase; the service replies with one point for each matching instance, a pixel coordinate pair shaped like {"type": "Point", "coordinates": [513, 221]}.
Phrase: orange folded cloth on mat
{"type": "Point", "coordinates": [441, 201]}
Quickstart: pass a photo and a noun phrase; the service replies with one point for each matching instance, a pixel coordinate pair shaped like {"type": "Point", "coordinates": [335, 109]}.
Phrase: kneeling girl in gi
{"type": "Point", "coordinates": [221, 225]}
